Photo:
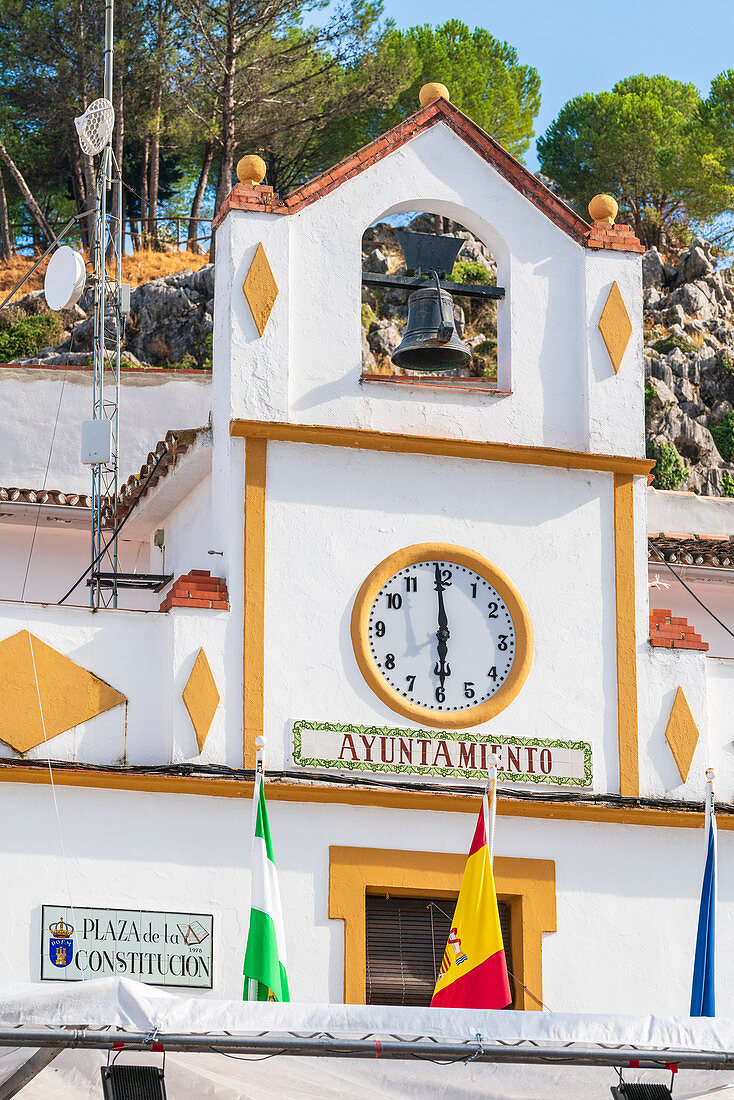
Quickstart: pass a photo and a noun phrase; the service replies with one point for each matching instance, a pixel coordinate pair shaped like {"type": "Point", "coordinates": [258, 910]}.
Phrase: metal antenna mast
{"type": "Point", "coordinates": [108, 322]}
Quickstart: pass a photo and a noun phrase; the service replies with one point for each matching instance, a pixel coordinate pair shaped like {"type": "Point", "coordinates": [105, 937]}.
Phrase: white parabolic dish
{"type": "Point", "coordinates": [66, 275]}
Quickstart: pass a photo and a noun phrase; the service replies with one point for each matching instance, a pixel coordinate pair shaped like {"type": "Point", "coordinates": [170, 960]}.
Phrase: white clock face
{"type": "Point", "coordinates": [441, 636]}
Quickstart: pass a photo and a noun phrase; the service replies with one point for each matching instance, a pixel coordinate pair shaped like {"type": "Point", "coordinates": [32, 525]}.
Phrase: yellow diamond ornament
{"type": "Point", "coordinates": [260, 289]}
{"type": "Point", "coordinates": [681, 733]}
{"type": "Point", "coordinates": [201, 698]}
{"type": "Point", "coordinates": [615, 326]}
{"type": "Point", "coordinates": [68, 693]}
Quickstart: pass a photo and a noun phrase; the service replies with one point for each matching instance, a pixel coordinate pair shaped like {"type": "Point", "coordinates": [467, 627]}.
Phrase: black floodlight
{"type": "Point", "coordinates": [641, 1091]}
{"type": "Point", "coordinates": [425, 252]}
{"type": "Point", "coordinates": [133, 1083]}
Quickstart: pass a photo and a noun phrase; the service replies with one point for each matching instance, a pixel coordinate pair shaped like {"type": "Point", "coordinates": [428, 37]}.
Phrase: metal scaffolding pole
{"type": "Point", "coordinates": [106, 401]}
{"type": "Point", "coordinates": [329, 1046]}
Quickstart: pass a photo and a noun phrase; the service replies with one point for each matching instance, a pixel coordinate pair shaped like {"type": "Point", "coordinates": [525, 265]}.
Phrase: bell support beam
{"type": "Point", "coordinates": [404, 282]}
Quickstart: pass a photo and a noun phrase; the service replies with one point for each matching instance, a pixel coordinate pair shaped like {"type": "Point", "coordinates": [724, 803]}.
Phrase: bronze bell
{"type": "Point", "coordinates": [431, 342]}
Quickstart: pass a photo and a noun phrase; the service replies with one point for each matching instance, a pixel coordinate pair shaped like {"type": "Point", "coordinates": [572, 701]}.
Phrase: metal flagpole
{"type": "Point", "coordinates": [710, 807]}
{"type": "Point", "coordinates": [259, 780]}
{"type": "Point", "coordinates": [490, 804]}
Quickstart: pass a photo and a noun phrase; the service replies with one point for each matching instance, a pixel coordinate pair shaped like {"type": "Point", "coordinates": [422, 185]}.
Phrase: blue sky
{"type": "Point", "coordinates": [576, 48]}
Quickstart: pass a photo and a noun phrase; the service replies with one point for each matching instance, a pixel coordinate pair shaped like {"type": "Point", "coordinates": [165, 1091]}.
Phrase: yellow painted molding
{"type": "Point", "coordinates": [260, 289]}
{"type": "Point", "coordinates": [682, 734]}
{"type": "Point", "coordinates": [201, 698]}
{"type": "Point", "coordinates": [69, 694]}
{"type": "Point", "coordinates": [253, 686]}
{"type": "Point", "coordinates": [527, 885]}
{"type": "Point", "coordinates": [624, 577]}
{"type": "Point", "coordinates": [364, 439]}
{"type": "Point", "coordinates": [615, 326]}
{"type": "Point", "coordinates": [327, 794]}
{"type": "Point", "coordinates": [442, 551]}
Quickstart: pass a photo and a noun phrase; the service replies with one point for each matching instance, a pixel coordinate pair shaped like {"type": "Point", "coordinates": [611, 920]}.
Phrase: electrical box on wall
{"type": "Point", "coordinates": [96, 442]}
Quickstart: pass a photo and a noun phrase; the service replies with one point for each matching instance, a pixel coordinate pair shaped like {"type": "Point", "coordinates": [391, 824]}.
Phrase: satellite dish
{"type": "Point", "coordinates": [66, 276]}
{"type": "Point", "coordinates": [95, 126]}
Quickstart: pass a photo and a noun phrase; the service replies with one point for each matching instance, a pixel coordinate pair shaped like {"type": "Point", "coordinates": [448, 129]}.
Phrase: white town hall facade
{"type": "Point", "coordinates": [303, 512]}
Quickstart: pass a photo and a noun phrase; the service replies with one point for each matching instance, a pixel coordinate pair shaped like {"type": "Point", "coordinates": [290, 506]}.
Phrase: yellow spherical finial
{"type": "Point", "coordinates": [429, 93]}
{"type": "Point", "coordinates": [603, 208]}
{"type": "Point", "coordinates": [251, 170]}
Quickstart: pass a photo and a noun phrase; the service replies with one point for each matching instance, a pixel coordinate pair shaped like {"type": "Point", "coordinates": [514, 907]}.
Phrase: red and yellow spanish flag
{"type": "Point", "coordinates": [473, 971]}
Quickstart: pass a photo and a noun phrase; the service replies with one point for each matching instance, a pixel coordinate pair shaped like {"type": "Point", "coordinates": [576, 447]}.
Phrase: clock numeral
{"type": "Point", "coordinates": [446, 576]}
{"type": "Point", "coordinates": [440, 695]}
{"type": "Point", "coordinates": [411, 584]}
{"type": "Point", "coordinates": [493, 673]}
{"type": "Point", "coordinates": [469, 692]}
{"type": "Point", "coordinates": [502, 643]}
{"type": "Point", "coordinates": [389, 660]}
{"type": "Point", "coordinates": [380, 628]}
{"type": "Point", "coordinates": [474, 591]}
{"type": "Point", "coordinates": [493, 610]}
{"type": "Point", "coordinates": [410, 681]}
{"type": "Point", "coordinates": [394, 600]}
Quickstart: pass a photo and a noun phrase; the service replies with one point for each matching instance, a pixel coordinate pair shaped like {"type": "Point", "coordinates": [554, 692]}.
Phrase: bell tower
{"type": "Point", "coordinates": [504, 493]}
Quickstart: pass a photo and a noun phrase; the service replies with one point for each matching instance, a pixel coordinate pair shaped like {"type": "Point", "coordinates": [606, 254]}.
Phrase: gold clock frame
{"type": "Point", "coordinates": [442, 551]}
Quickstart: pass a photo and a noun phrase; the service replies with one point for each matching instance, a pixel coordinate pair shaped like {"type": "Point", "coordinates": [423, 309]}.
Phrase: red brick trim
{"type": "Point", "coordinates": [670, 632]}
{"type": "Point", "coordinates": [264, 201]}
{"type": "Point", "coordinates": [128, 370]}
{"type": "Point", "coordinates": [620, 238]}
{"type": "Point", "coordinates": [197, 589]}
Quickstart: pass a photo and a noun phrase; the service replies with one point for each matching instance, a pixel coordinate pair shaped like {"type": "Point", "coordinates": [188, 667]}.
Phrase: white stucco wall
{"type": "Point", "coordinates": [58, 557]}
{"type": "Point", "coordinates": [148, 658]}
{"type": "Point", "coordinates": [151, 403]}
{"type": "Point", "coordinates": [627, 896]}
{"type": "Point", "coordinates": [334, 514]}
{"type": "Point", "coordinates": [689, 514]}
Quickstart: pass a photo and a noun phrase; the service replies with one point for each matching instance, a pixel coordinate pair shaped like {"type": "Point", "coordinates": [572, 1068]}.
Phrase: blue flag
{"type": "Point", "coordinates": [703, 995]}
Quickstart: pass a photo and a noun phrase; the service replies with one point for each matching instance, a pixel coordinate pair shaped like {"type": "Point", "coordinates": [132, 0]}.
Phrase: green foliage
{"type": "Point", "coordinates": [668, 343]}
{"type": "Point", "coordinates": [723, 433]}
{"type": "Point", "coordinates": [368, 315]}
{"type": "Point", "coordinates": [717, 114]}
{"type": "Point", "coordinates": [728, 484]}
{"type": "Point", "coordinates": [726, 362]}
{"type": "Point", "coordinates": [21, 336]}
{"type": "Point", "coordinates": [650, 395]}
{"type": "Point", "coordinates": [208, 352]}
{"type": "Point", "coordinates": [470, 271]}
{"type": "Point", "coordinates": [647, 143]}
{"type": "Point", "coordinates": [487, 347]}
{"type": "Point", "coordinates": [483, 75]}
{"type": "Point", "coordinates": [670, 470]}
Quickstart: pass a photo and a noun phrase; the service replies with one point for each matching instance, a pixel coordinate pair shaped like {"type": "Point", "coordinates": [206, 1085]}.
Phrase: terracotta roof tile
{"type": "Point", "coordinates": [710, 551]}
{"type": "Point", "coordinates": [598, 235]}
{"type": "Point", "coordinates": [170, 450]}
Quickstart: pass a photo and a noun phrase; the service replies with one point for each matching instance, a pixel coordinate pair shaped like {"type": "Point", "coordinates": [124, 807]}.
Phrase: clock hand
{"type": "Point", "coordinates": [442, 634]}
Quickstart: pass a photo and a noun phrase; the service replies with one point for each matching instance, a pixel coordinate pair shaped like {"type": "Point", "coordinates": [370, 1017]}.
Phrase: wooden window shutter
{"type": "Point", "coordinates": [406, 938]}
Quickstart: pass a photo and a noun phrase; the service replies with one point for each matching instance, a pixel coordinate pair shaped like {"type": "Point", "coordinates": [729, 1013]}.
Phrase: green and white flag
{"type": "Point", "coordinates": [265, 962]}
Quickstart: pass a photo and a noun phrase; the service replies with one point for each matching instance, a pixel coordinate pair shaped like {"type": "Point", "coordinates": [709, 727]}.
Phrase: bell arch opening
{"type": "Point", "coordinates": [467, 358]}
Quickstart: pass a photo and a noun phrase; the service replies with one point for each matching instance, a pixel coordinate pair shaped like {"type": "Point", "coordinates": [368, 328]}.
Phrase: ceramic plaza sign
{"type": "Point", "coordinates": [173, 949]}
{"type": "Point", "coordinates": [336, 747]}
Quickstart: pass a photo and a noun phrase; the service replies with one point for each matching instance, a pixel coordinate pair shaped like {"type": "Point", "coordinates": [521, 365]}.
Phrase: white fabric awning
{"type": "Point", "coordinates": [119, 1004]}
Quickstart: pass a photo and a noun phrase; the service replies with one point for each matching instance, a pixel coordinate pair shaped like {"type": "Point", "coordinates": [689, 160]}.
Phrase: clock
{"type": "Point", "coordinates": [442, 636]}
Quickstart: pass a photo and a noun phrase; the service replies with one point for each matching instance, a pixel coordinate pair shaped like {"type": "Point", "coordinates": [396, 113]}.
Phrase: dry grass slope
{"type": "Point", "coordinates": [139, 268]}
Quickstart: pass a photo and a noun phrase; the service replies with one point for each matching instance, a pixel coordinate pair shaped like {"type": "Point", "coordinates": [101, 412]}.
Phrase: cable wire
{"type": "Point", "coordinates": [117, 530]}
{"type": "Point", "coordinates": [692, 593]}
{"type": "Point", "coordinates": [52, 783]}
